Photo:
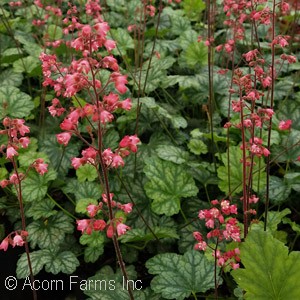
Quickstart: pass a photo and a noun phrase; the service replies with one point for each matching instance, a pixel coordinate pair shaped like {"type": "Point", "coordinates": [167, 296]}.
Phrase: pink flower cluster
{"type": "Point", "coordinates": [102, 101]}
{"type": "Point", "coordinates": [115, 225]}
{"type": "Point", "coordinates": [16, 238]}
{"type": "Point", "coordinates": [222, 228]}
{"type": "Point", "coordinates": [15, 131]}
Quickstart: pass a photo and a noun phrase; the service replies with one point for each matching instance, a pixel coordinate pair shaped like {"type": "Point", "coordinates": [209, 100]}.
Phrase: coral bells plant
{"type": "Point", "coordinates": [223, 228]}
{"type": "Point", "coordinates": [102, 99]}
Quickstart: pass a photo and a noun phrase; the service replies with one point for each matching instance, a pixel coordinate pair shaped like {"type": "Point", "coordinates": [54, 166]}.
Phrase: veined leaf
{"type": "Point", "coordinates": [167, 184]}
{"type": "Point", "coordinates": [278, 190]}
{"type": "Point", "coordinates": [29, 65]}
{"type": "Point", "coordinates": [95, 245]}
{"type": "Point", "coordinates": [51, 232]}
{"type": "Point", "coordinates": [139, 235]}
{"type": "Point", "coordinates": [10, 78]}
{"type": "Point", "coordinates": [35, 186]}
{"type": "Point", "coordinates": [193, 8]}
{"type": "Point", "coordinates": [14, 103]}
{"type": "Point", "coordinates": [86, 172]}
{"type": "Point", "coordinates": [172, 153]}
{"type": "Point", "coordinates": [54, 32]}
{"type": "Point", "coordinates": [270, 271]}
{"type": "Point", "coordinates": [41, 209]}
{"type": "Point", "coordinates": [54, 262]}
{"type": "Point", "coordinates": [65, 262]}
{"type": "Point", "coordinates": [107, 285]}
{"type": "Point", "coordinates": [38, 260]}
{"type": "Point", "coordinates": [177, 276]}
{"type": "Point", "coordinates": [123, 39]}
{"type": "Point", "coordinates": [83, 190]}
{"type": "Point", "coordinates": [236, 173]}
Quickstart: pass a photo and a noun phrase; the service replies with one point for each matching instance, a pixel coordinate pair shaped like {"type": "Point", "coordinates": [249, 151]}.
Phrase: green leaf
{"type": "Point", "coordinates": [30, 65]}
{"type": "Point", "coordinates": [38, 260]}
{"type": "Point", "coordinates": [294, 225]}
{"type": "Point", "coordinates": [10, 78]}
{"type": "Point", "coordinates": [54, 32]}
{"type": "Point", "coordinates": [275, 218]}
{"type": "Point", "coordinates": [293, 180]}
{"type": "Point", "coordinates": [35, 186]}
{"type": "Point", "coordinates": [279, 191]}
{"type": "Point", "coordinates": [3, 173]}
{"type": "Point", "coordinates": [14, 103]}
{"type": "Point", "coordinates": [83, 190]}
{"type": "Point", "coordinates": [111, 139]}
{"type": "Point", "coordinates": [91, 254]}
{"type": "Point", "coordinates": [172, 153]}
{"type": "Point", "coordinates": [270, 271]}
{"type": "Point", "coordinates": [33, 49]}
{"type": "Point", "coordinates": [54, 262]}
{"type": "Point", "coordinates": [236, 173]}
{"type": "Point", "coordinates": [139, 235]}
{"type": "Point", "coordinates": [193, 8]}
{"type": "Point", "coordinates": [168, 183]}
{"type": "Point", "coordinates": [50, 233]}
{"type": "Point", "coordinates": [107, 285]}
{"type": "Point", "coordinates": [10, 55]}
{"type": "Point", "coordinates": [177, 276]}
{"type": "Point", "coordinates": [86, 172]}
{"type": "Point", "coordinates": [197, 146]}
{"type": "Point", "coordinates": [156, 74]}
{"type": "Point", "coordinates": [41, 209]}
{"type": "Point", "coordinates": [195, 55]}
{"type": "Point", "coordinates": [123, 39]}
{"type": "Point", "coordinates": [95, 245]}
{"type": "Point", "coordinates": [179, 25]}
{"type": "Point", "coordinates": [288, 149]}
{"type": "Point", "coordinates": [65, 262]}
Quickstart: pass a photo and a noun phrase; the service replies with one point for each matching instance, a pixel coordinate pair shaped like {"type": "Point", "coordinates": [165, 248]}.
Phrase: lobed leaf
{"type": "Point", "coordinates": [270, 271]}
{"type": "Point", "coordinates": [177, 276]}
{"type": "Point", "coordinates": [167, 184]}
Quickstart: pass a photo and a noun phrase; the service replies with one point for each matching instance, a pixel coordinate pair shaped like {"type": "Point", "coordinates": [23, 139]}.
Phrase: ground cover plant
{"type": "Point", "coordinates": [150, 149]}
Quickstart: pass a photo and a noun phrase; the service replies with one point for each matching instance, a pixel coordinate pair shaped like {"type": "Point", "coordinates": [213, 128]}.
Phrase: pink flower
{"type": "Point", "coordinates": [23, 129]}
{"type": "Point", "coordinates": [126, 104]}
{"type": "Point", "coordinates": [11, 152]}
{"type": "Point", "coordinates": [63, 138]}
{"type": "Point", "coordinates": [67, 124]}
{"type": "Point", "coordinates": [130, 142]}
{"type": "Point", "coordinates": [120, 82]}
{"type": "Point", "coordinates": [77, 162]}
{"type": "Point", "coordinates": [92, 210]}
{"type": "Point", "coordinates": [122, 228]}
{"type": "Point", "coordinates": [109, 45]}
{"type": "Point", "coordinates": [201, 246]}
{"type": "Point", "coordinates": [127, 208]}
{"type": "Point", "coordinates": [285, 125]}
{"type": "Point", "coordinates": [17, 241]}
{"type": "Point", "coordinates": [99, 225]}
{"type": "Point", "coordinates": [82, 225]}
{"type": "Point", "coordinates": [110, 231]}
{"type": "Point", "coordinates": [198, 236]}
{"type": "Point", "coordinates": [4, 244]}
{"type": "Point", "coordinates": [40, 166]}
{"type": "Point", "coordinates": [4, 183]}
{"type": "Point", "coordinates": [24, 141]}
{"type": "Point", "coordinates": [117, 161]}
